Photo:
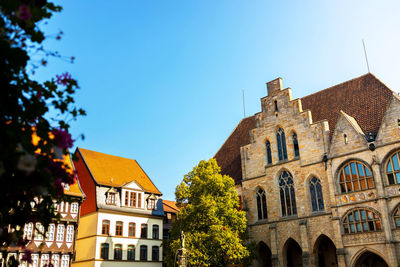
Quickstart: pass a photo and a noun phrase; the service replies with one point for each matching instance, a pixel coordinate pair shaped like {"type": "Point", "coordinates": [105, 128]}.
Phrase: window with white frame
{"type": "Point", "coordinates": [60, 232]}
{"type": "Point", "coordinates": [35, 260]}
{"type": "Point", "coordinates": [21, 262]}
{"type": "Point", "coordinates": [70, 233]}
{"type": "Point", "coordinates": [74, 207]}
{"type": "Point", "coordinates": [50, 232]}
{"type": "Point", "coordinates": [55, 258]}
{"type": "Point", "coordinates": [66, 207]}
{"type": "Point", "coordinates": [64, 260]}
{"type": "Point", "coordinates": [44, 260]}
{"type": "Point", "coordinates": [28, 229]}
{"type": "Point", "coordinates": [61, 206]}
{"type": "Point", "coordinates": [39, 232]}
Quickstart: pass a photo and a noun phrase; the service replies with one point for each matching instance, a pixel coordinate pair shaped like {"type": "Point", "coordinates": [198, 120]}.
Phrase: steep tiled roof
{"type": "Point", "coordinates": [228, 156]}
{"type": "Point", "coordinates": [116, 171]}
{"type": "Point", "coordinates": [364, 98]}
{"type": "Point", "coordinates": [73, 189]}
{"type": "Point", "coordinates": [170, 206]}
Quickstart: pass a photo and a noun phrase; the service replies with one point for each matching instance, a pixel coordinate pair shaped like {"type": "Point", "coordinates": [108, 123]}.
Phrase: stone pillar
{"type": "Point", "coordinates": [341, 257]}
{"type": "Point", "coordinates": [385, 213]}
{"type": "Point", "coordinates": [274, 245]}
{"type": "Point", "coordinates": [305, 245]}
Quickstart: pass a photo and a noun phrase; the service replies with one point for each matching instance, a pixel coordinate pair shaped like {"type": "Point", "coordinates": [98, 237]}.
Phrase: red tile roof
{"type": "Point", "coordinates": [365, 98]}
{"type": "Point", "coordinates": [170, 206]}
{"type": "Point", "coordinates": [228, 156]}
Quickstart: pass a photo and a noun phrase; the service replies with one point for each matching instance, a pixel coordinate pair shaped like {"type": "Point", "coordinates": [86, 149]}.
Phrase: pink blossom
{"type": "Point", "coordinates": [24, 12]}
{"type": "Point", "coordinates": [63, 79]}
{"type": "Point", "coordinates": [63, 138]}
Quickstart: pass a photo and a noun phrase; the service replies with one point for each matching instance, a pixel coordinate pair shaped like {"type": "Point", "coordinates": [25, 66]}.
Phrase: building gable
{"type": "Point", "coordinates": [389, 130]}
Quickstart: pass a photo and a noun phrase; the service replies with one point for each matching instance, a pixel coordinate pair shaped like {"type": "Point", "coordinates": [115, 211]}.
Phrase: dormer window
{"type": "Point", "coordinates": [110, 198]}
{"type": "Point", "coordinates": [151, 202]}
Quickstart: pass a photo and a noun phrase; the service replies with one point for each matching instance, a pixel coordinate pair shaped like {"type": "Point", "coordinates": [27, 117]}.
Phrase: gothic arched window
{"type": "Point", "coordinates": [288, 200]}
{"type": "Point", "coordinates": [355, 176]}
{"type": "Point", "coordinates": [269, 155]}
{"type": "Point", "coordinates": [261, 204]}
{"type": "Point", "coordinates": [281, 142]}
{"type": "Point", "coordinates": [295, 145]}
{"type": "Point", "coordinates": [317, 200]}
{"type": "Point", "coordinates": [396, 216]}
{"type": "Point", "coordinates": [361, 220]}
{"type": "Point", "coordinates": [393, 168]}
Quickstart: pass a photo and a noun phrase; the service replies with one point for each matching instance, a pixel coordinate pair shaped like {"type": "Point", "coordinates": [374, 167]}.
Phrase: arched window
{"type": "Point", "coordinates": [393, 168]}
{"type": "Point", "coordinates": [261, 204]}
{"type": "Point", "coordinates": [317, 201]}
{"type": "Point", "coordinates": [155, 253]}
{"type": "Point", "coordinates": [118, 252]}
{"type": "Point", "coordinates": [361, 220]}
{"type": "Point", "coordinates": [269, 155]}
{"type": "Point", "coordinates": [104, 251]}
{"type": "Point", "coordinates": [295, 145]}
{"type": "Point", "coordinates": [355, 176]}
{"type": "Point", "coordinates": [288, 200]}
{"type": "Point", "coordinates": [105, 227]}
{"type": "Point", "coordinates": [131, 253]}
{"type": "Point", "coordinates": [280, 138]}
{"type": "Point", "coordinates": [396, 216]}
{"type": "Point", "coordinates": [143, 253]}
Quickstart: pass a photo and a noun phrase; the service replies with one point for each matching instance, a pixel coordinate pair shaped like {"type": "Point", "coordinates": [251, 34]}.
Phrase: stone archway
{"type": "Point", "coordinates": [325, 252]}
{"type": "Point", "coordinates": [293, 254]}
{"type": "Point", "coordinates": [370, 259]}
{"type": "Point", "coordinates": [264, 255]}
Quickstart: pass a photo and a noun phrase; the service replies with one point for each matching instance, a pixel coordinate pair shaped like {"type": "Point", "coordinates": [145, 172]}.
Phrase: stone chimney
{"type": "Point", "coordinates": [274, 85]}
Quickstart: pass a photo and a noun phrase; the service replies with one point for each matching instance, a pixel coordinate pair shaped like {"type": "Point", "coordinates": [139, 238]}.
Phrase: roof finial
{"type": "Point", "coordinates": [365, 53]}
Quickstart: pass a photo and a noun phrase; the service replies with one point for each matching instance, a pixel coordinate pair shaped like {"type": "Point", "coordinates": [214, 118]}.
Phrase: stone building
{"type": "Point", "coordinates": [121, 221]}
{"type": "Point", "coordinates": [319, 176]}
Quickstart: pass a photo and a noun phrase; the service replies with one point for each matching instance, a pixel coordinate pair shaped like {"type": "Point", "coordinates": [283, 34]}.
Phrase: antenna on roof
{"type": "Point", "coordinates": [244, 106]}
{"type": "Point", "coordinates": [365, 53]}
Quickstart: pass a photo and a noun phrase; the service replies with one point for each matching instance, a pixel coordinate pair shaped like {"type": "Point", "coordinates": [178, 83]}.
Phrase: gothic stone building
{"type": "Point", "coordinates": [319, 176]}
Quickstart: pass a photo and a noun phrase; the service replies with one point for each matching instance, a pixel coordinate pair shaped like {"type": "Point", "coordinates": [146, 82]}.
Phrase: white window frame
{"type": "Point", "coordinates": [64, 260]}
{"type": "Point", "coordinates": [28, 230]}
{"type": "Point", "coordinates": [60, 232]}
{"type": "Point", "coordinates": [55, 258]}
{"type": "Point", "coordinates": [50, 232]}
{"type": "Point", "coordinates": [70, 233]}
{"type": "Point", "coordinates": [74, 207]}
{"type": "Point", "coordinates": [45, 260]}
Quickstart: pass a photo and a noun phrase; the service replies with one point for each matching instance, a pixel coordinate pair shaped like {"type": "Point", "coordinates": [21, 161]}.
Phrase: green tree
{"type": "Point", "coordinates": [213, 225]}
{"type": "Point", "coordinates": [34, 121]}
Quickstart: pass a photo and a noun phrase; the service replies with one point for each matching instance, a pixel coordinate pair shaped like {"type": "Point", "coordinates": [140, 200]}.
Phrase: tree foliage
{"type": "Point", "coordinates": [34, 121]}
{"type": "Point", "coordinates": [210, 218]}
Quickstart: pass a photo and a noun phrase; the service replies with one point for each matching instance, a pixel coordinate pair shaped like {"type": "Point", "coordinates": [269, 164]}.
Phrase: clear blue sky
{"type": "Point", "coordinates": [162, 81]}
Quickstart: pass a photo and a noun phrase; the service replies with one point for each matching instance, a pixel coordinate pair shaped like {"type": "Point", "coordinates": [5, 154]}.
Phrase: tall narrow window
{"type": "Point", "coordinates": [60, 232]}
{"type": "Point", "coordinates": [28, 230]}
{"type": "Point", "coordinates": [361, 220]}
{"type": "Point", "coordinates": [35, 260]}
{"type": "Point", "coordinates": [70, 233]}
{"type": "Point", "coordinates": [118, 228]}
{"type": "Point", "coordinates": [355, 176]}
{"type": "Point", "coordinates": [65, 261]}
{"type": "Point", "coordinates": [118, 252]}
{"type": "Point", "coordinates": [261, 204]}
{"type": "Point", "coordinates": [111, 198]}
{"type": "Point", "coordinates": [288, 200]}
{"type": "Point", "coordinates": [55, 258]}
{"type": "Point", "coordinates": [393, 168]}
{"type": "Point", "coordinates": [155, 252]}
{"type": "Point", "coordinates": [131, 253]}
{"type": "Point", "coordinates": [126, 198]}
{"type": "Point", "coordinates": [269, 155]}
{"type": "Point", "coordinates": [74, 207]}
{"type": "Point", "coordinates": [39, 231]}
{"type": "Point", "coordinates": [50, 232]}
{"type": "Point", "coordinates": [44, 261]}
{"type": "Point", "coordinates": [139, 199]}
{"type": "Point", "coordinates": [276, 105]}
{"type": "Point", "coordinates": [104, 251]}
{"type": "Point", "coordinates": [105, 227]}
{"type": "Point", "coordinates": [281, 142]}
{"type": "Point", "coordinates": [143, 230]}
{"type": "Point", "coordinates": [296, 145]}
{"type": "Point", "coordinates": [155, 231]}
{"type": "Point", "coordinates": [143, 253]}
{"type": "Point", "coordinates": [317, 201]}
{"type": "Point", "coordinates": [131, 229]}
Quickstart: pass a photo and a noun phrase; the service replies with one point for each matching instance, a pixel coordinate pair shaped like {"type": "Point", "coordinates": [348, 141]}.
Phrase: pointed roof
{"type": "Point", "coordinates": [364, 99]}
{"type": "Point", "coordinates": [75, 188]}
{"type": "Point", "coordinates": [116, 171]}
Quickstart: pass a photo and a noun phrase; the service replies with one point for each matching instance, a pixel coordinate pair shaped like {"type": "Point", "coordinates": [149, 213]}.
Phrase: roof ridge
{"type": "Point", "coordinates": [330, 87]}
